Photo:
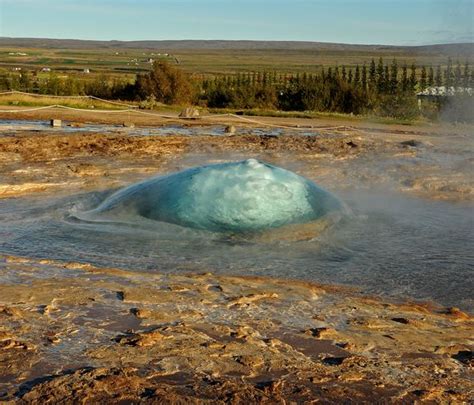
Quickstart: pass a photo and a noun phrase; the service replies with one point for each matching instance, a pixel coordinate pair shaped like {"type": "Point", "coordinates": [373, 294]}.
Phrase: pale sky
{"type": "Point", "coordinates": [396, 22]}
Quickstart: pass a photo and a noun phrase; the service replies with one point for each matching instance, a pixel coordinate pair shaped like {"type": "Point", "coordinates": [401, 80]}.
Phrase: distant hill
{"type": "Point", "coordinates": [465, 49]}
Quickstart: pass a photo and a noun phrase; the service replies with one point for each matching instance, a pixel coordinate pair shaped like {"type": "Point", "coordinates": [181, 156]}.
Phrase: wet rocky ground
{"type": "Point", "coordinates": [421, 161]}
{"type": "Point", "coordinates": [74, 332]}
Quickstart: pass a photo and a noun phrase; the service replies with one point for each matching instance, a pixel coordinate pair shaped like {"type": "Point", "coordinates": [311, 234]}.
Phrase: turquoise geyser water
{"type": "Point", "coordinates": [238, 197]}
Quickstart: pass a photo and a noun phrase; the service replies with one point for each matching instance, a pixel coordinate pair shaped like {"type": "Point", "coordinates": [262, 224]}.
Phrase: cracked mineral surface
{"type": "Point", "coordinates": [89, 317]}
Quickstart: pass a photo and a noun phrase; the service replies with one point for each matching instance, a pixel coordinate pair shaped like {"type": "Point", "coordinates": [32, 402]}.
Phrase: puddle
{"type": "Point", "coordinates": [317, 349]}
{"type": "Point", "coordinates": [110, 319]}
{"type": "Point", "coordinates": [11, 127]}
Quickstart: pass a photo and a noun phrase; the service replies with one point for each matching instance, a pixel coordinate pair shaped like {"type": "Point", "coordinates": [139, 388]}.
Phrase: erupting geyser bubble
{"type": "Point", "coordinates": [238, 197]}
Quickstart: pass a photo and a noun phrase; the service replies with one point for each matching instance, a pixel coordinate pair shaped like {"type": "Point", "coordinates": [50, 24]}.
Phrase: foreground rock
{"type": "Point", "coordinates": [189, 112]}
{"type": "Point", "coordinates": [77, 333]}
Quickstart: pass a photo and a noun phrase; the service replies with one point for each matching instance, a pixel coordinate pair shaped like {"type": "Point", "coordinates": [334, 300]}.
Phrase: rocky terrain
{"type": "Point", "coordinates": [74, 332]}
{"type": "Point", "coordinates": [432, 162]}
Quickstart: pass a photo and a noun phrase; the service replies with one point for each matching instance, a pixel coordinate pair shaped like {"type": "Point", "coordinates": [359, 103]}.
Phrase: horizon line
{"type": "Point", "coordinates": [241, 40]}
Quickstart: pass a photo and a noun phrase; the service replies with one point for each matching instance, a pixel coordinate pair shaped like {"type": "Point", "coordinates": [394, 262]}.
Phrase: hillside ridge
{"type": "Point", "coordinates": [455, 49]}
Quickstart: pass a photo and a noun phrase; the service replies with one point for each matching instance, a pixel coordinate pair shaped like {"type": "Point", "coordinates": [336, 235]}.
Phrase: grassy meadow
{"type": "Point", "coordinates": [25, 100]}
{"type": "Point", "coordinates": [128, 62]}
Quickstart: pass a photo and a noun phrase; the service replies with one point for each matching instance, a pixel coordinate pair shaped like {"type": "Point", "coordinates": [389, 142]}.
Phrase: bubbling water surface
{"type": "Point", "coordinates": [238, 197]}
{"type": "Point", "coordinates": [392, 243]}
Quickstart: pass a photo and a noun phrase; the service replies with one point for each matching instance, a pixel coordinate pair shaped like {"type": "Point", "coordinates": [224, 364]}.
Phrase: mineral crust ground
{"type": "Point", "coordinates": [72, 332]}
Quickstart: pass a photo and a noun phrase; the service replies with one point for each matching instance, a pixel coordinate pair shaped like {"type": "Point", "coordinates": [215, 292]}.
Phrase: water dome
{"type": "Point", "coordinates": [238, 197]}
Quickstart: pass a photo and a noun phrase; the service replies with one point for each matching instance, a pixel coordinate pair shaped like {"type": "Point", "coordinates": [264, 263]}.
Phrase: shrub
{"type": "Point", "coordinates": [167, 83]}
{"type": "Point", "coordinates": [401, 105]}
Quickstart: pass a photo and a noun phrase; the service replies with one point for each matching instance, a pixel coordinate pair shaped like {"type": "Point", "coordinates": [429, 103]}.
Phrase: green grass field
{"type": "Point", "coordinates": [208, 61]}
{"type": "Point", "coordinates": [24, 100]}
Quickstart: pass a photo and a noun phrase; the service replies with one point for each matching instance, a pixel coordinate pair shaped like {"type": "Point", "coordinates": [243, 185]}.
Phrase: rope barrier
{"type": "Point", "coordinates": [112, 102]}
{"type": "Point", "coordinates": [286, 126]}
{"type": "Point", "coordinates": [51, 107]}
{"type": "Point", "coordinates": [27, 110]}
{"type": "Point", "coordinates": [4, 93]}
{"type": "Point", "coordinates": [172, 117]}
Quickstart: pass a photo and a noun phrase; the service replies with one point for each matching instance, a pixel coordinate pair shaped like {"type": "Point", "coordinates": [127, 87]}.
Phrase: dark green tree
{"type": "Point", "coordinates": [448, 74]}
{"type": "Point", "coordinates": [413, 81]}
{"type": "Point", "coordinates": [99, 87]}
{"type": "Point", "coordinates": [357, 76]}
{"type": "Point", "coordinates": [53, 85]}
{"type": "Point", "coordinates": [239, 79]}
{"type": "Point", "coordinates": [372, 75]}
{"type": "Point", "coordinates": [265, 79]}
{"type": "Point", "coordinates": [304, 79]}
{"type": "Point", "coordinates": [404, 83]}
{"type": "Point", "coordinates": [466, 75]}
{"type": "Point", "coordinates": [458, 75]}
{"type": "Point", "coordinates": [72, 87]}
{"type": "Point", "coordinates": [380, 76]}
{"type": "Point", "coordinates": [25, 82]}
{"type": "Point", "coordinates": [430, 81]}
{"type": "Point", "coordinates": [4, 81]}
{"type": "Point", "coordinates": [254, 79]}
{"type": "Point", "coordinates": [393, 77]}
{"type": "Point", "coordinates": [363, 78]}
{"type": "Point", "coordinates": [438, 77]}
{"type": "Point", "coordinates": [423, 78]}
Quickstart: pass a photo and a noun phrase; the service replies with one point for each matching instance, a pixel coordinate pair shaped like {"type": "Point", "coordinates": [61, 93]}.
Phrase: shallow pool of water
{"type": "Point", "coordinates": [11, 127]}
{"type": "Point", "coordinates": [394, 245]}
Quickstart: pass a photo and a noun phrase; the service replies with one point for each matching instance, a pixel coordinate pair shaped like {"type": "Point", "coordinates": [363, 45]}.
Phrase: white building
{"type": "Point", "coordinates": [440, 93]}
{"type": "Point", "coordinates": [443, 91]}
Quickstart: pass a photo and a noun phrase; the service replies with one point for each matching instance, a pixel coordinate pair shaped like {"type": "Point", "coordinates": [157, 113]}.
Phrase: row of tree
{"type": "Point", "coordinates": [384, 78]}
{"type": "Point", "coordinates": [384, 89]}
{"type": "Point", "coordinates": [377, 87]}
